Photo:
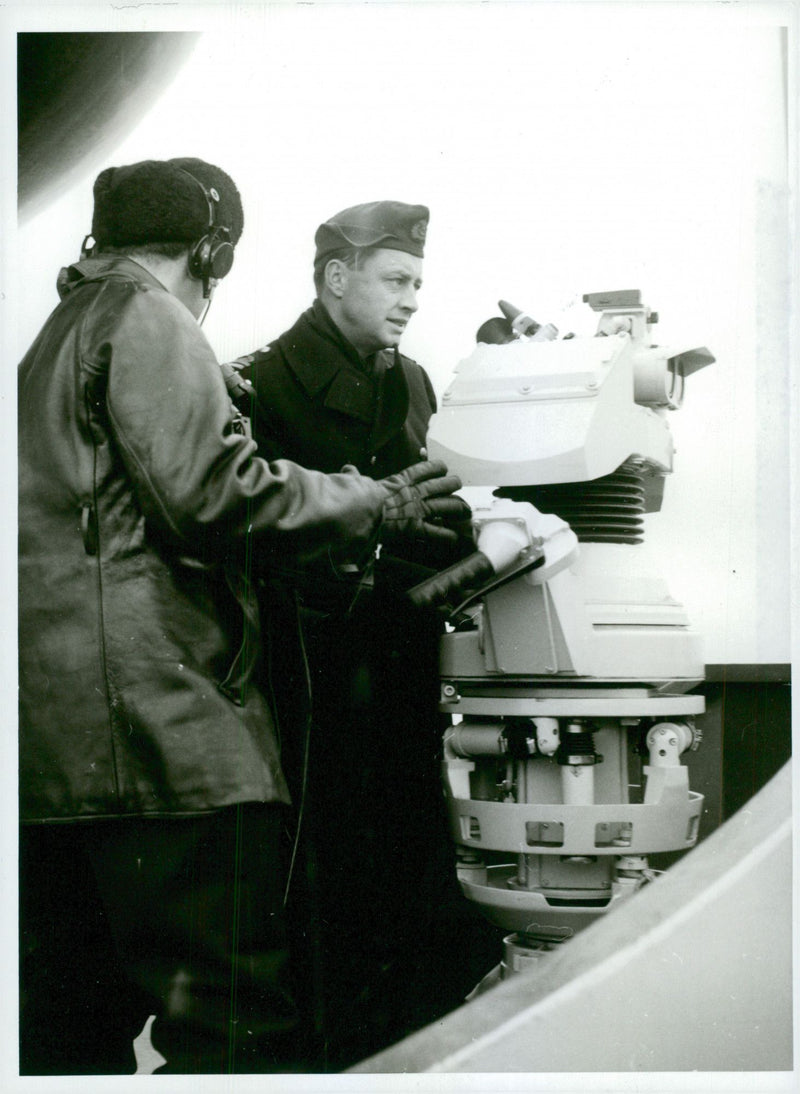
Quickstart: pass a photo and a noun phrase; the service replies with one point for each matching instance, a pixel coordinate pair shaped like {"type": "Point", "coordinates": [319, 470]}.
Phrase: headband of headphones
{"type": "Point", "coordinates": [211, 257]}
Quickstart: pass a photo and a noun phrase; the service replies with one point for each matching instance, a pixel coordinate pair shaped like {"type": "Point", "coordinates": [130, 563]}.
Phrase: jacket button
{"type": "Point", "coordinates": [423, 453]}
{"type": "Point", "coordinates": [373, 460]}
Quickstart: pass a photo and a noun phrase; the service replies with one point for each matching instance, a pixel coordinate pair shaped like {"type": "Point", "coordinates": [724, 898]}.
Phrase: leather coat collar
{"type": "Point", "coordinates": [101, 268]}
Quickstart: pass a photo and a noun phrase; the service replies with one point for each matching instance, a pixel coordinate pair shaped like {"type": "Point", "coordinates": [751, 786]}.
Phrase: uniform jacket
{"type": "Point", "coordinates": [140, 508]}
{"type": "Point", "coordinates": [317, 404]}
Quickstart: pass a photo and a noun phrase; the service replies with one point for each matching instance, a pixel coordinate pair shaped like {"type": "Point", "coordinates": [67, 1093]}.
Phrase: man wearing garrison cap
{"type": "Point", "coordinates": [334, 388]}
{"type": "Point", "coordinates": [391, 933]}
{"type": "Point", "coordinates": [152, 799]}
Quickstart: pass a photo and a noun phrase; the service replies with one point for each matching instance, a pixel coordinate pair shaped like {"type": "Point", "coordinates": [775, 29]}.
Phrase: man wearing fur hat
{"type": "Point", "coordinates": [392, 932]}
{"type": "Point", "coordinates": [152, 799]}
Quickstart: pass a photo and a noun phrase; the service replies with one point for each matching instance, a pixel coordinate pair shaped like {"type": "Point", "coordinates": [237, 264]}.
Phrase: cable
{"type": "Point", "coordinates": [306, 747]}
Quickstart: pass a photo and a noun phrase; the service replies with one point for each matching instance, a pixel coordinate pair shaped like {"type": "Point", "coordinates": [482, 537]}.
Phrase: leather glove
{"type": "Point", "coordinates": [421, 505]}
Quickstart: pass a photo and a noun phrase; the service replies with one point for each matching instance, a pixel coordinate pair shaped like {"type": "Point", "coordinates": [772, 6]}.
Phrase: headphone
{"type": "Point", "coordinates": [211, 257]}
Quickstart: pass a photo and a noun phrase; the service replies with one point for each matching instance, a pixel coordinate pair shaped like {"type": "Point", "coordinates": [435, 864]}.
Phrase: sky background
{"type": "Point", "coordinates": [562, 149]}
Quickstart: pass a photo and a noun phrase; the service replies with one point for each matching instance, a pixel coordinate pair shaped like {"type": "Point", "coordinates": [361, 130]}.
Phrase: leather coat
{"type": "Point", "coordinates": [141, 508]}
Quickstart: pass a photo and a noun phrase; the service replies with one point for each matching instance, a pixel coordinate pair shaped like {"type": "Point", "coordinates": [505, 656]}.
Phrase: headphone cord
{"type": "Point", "coordinates": [307, 726]}
{"type": "Point", "coordinates": [306, 745]}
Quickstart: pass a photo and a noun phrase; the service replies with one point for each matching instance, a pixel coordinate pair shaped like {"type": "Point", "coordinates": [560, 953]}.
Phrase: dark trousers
{"type": "Point", "coordinates": [177, 917]}
{"type": "Point", "coordinates": [386, 943]}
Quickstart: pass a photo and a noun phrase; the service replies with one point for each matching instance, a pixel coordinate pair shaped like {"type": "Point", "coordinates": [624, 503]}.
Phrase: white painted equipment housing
{"type": "Point", "coordinates": [565, 411]}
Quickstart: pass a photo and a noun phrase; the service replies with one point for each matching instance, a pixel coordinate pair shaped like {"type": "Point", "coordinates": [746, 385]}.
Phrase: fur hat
{"type": "Point", "coordinates": [162, 201]}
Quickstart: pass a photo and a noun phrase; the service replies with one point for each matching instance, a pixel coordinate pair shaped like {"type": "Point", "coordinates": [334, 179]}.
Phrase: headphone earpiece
{"type": "Point", "coordinates": [211, 257]}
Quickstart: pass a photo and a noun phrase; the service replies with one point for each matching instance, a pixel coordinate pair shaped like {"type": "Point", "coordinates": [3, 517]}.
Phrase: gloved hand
{"type": "Point", "coordinates": [421, 503]}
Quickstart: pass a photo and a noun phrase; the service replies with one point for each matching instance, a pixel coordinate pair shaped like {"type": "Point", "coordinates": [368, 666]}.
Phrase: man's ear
{"type": "Point", "coordinates": [336, 273]}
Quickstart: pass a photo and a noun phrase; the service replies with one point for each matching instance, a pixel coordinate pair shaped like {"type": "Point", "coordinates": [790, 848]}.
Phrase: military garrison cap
{"type": "Point", "coordinates": [391, 224]}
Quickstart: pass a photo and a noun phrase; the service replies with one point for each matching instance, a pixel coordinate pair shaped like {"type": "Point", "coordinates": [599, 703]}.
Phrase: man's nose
{"type": "Point", "coordinates": [409, 298]}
